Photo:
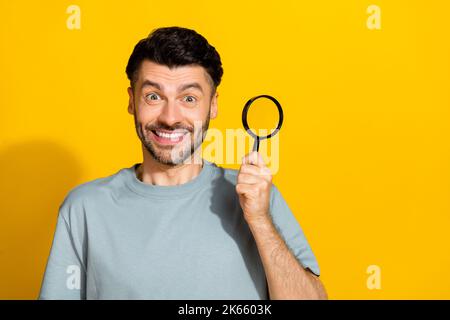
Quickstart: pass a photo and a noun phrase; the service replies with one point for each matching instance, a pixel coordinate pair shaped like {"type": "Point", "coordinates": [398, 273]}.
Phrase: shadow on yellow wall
{"type": "Point", "coordinates": [35, 177]}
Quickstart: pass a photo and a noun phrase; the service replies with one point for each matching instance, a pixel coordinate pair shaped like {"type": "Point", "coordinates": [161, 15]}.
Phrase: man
{"type": "Point", "coordinates": [174, 226]}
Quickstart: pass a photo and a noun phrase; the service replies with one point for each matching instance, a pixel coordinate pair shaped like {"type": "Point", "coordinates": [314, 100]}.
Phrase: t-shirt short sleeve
{"type": "Point", "coordinates": [65, 272]}
{"type": "Point", "coordinates": [291, 231]}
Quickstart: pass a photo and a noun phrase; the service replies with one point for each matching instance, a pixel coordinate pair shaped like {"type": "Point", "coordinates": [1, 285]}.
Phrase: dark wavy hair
{"type": "Point", "coordinates": [173, 47]}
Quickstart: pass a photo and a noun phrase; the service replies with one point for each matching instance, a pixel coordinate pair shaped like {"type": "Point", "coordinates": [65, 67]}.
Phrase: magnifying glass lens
{"type": "Point", "coordinates": [264, 124]}
{"type": "Point", "coordinates": [263, 117]}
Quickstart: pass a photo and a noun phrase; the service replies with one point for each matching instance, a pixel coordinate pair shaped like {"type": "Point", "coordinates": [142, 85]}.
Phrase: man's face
{"type": "Point", "coordinates": [172, 109]}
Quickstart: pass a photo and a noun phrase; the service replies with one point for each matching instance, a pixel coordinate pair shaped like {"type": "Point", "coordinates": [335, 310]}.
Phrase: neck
{"type": "Point", "coordinates": [153, 172]}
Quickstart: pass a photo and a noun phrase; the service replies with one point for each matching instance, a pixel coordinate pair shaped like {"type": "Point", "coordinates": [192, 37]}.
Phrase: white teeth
{"type": "Point", "coordinates": [171, 136]}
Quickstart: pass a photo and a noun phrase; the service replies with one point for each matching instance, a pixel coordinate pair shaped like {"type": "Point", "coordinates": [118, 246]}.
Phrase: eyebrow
{"type": "Point", "coordinates": [148, 83]}
{"type": "Point", "coordinates": [183, 87]}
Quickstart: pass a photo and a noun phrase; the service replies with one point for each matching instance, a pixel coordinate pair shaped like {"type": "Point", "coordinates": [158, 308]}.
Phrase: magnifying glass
{"type": "Point", "coordinates": [264, 117]}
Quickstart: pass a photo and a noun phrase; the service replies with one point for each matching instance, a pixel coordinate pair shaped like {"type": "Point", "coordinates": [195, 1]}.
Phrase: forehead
{"type": "Point", "coordinates": [150, 70]}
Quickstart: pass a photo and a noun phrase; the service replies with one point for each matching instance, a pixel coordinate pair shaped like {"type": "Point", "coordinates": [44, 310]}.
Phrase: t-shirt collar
{"type": "Point", "coordinates": [149, 190]}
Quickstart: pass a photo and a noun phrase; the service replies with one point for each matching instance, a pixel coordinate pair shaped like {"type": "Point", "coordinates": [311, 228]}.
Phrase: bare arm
{"type": "Point", "coordinates": [286, 277]}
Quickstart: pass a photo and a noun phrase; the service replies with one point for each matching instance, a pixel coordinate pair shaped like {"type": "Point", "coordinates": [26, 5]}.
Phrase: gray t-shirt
{"type": "Point", "coordinates": [119, 238]}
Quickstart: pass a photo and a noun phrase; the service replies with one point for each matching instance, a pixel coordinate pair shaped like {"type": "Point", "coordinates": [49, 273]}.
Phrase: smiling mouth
{"type": "Point", "coordinates": [168, 137]}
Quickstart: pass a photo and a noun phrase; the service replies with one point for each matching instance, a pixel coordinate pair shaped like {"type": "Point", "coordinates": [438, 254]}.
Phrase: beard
{"type": "Point", "coordinates": [179, 153]}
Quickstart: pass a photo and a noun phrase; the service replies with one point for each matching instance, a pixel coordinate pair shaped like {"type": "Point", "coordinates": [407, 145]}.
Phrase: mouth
{"type": "Point", "coordinates": [166, 137]}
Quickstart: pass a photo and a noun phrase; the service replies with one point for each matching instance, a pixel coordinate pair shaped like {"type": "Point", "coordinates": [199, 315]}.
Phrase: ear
{"type": "Point", "coordinates": [213, 110]}
{"type": "Point", "coordinates": [130, 100]}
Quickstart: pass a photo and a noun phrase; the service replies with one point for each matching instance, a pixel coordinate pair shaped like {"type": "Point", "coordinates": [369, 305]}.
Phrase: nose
{"type": "Point", "coordinates": [170, 114]}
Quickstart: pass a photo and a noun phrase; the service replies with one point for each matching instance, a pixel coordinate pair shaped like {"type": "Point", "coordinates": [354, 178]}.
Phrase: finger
{"type": "Point", "coordinates": [248, 178]}
{"type": "Point", "coordinates": [246, 158]}
{"type": "Point", "coordinates": [244, 189]}
{"type": "Point", "coordinates": [254, 158]}
{"type": "Point", "coordinates": [257, 171]}
{"type": "Point", "coordinates": [251, 158]}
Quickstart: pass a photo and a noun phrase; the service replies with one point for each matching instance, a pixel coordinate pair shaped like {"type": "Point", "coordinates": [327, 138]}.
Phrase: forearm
{"type": "Point", "coordinates": [286, 277]}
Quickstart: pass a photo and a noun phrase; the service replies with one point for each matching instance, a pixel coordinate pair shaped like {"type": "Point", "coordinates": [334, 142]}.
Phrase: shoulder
{"type": "Point", "coordinates": [228, 174]}
{"type": "Point", "coordinates": [89, 192]}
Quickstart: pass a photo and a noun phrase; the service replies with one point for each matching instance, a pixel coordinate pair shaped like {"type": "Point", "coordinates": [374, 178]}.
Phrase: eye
{"type": "Point", "coordinates": [190, 99]}
{"type": "Point", "coordinates": [152, 96]}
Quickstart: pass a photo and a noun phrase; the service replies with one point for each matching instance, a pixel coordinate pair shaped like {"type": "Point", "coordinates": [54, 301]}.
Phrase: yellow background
{"type": "Point", "coordinates": [364, 161]}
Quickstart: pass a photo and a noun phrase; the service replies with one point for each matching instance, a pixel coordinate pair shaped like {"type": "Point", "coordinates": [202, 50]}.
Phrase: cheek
{"type": "Point", "coordinates": [196, 120]}
{"type": "Point", "coordinates": [200, 113]}
{"type": "Point", "coordinates": [145, 114]}
{"type": "Point", "coordinates": [193, 116]}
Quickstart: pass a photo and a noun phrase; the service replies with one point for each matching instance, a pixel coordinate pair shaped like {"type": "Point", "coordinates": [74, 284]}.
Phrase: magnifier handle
{"type": "Point", "coordinates": [256, 145]}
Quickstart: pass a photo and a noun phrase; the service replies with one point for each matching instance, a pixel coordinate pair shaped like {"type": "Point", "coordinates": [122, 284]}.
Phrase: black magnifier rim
{"type": "Point", "coordinates": [245, 111]}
